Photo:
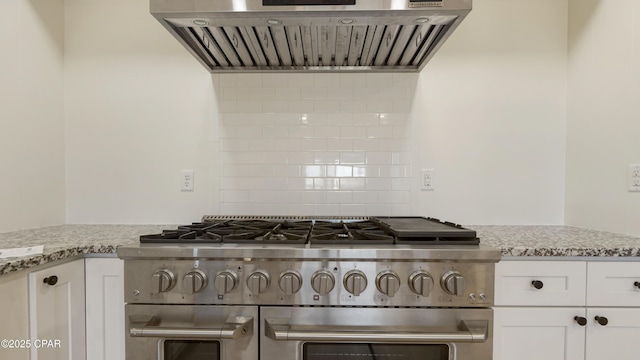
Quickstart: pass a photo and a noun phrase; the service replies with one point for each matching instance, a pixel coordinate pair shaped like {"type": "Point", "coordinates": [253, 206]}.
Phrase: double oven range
{"type": "Point", "coordinates": [300, 288]}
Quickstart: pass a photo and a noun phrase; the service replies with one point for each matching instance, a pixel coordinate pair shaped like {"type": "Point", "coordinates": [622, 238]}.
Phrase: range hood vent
{"type": "Point", "coordinates": [277, 35]}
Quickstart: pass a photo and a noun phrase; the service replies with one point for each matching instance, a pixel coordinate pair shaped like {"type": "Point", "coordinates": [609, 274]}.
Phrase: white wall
{"type": "Point", "coordinates": [138, 110]}
{"type": "Point", "coordinates": [604, 114]}
{"type": "Point", "coordinates": [31, 114]}
{"type": "Point", "coordinates": [488, 113]}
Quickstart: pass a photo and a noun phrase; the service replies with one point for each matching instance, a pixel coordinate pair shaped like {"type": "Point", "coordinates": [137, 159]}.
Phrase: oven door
{"type": "Point", "coordinates": [191, 332]}
{"type": "Point", "coordinates": [376, 333]}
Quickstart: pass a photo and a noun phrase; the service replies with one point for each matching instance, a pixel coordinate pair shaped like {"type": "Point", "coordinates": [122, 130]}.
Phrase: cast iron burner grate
{"type": "Point", "coordinates": [349, 233]}
{"type": "Point", "coordinates": [196, 233]}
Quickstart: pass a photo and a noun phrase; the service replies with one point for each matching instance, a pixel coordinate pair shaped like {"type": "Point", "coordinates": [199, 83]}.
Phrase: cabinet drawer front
{"type": "Point", "coordinates": [561, 283]}
{"type": "Point", "coordinates": [613, 284]}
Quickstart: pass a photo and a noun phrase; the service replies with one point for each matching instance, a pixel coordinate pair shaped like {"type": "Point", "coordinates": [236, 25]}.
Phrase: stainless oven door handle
{"type": "Point", "coordinates": [468, 331]}
{"type": "Point", "coordinates": [234, 328]}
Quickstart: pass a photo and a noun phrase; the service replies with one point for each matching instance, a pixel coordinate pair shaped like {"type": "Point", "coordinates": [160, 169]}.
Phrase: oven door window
{"type": "Point", "coordinates": [191, 350]}
{"type": "Point", "coordinates": [337, 351]}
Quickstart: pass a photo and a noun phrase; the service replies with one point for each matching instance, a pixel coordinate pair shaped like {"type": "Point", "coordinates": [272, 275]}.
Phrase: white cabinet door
{"type": "Point", "coordinates": [14, 314]}
{"type": "Point", "coordinates": [57, 313]}
{"type": "Point", "coordinates": [538, 333]}
{"type": "Point", "coordinates": [105, 308]}
{"type": "Point", "coordinates": [618, 339]}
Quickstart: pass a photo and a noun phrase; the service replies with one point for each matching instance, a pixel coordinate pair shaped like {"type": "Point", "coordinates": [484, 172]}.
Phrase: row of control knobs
{"type": "Point", "coordinates": [322, 281]}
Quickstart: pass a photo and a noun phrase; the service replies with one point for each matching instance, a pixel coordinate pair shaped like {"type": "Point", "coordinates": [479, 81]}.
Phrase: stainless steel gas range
{"type": "Point", "coordinates": [310, 289]}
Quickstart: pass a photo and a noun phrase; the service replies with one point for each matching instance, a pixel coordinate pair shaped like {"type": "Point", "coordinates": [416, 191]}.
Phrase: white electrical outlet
{"type": "Point", "coordinates": [186, 180]}
{"type": "Point", "coordinates": [426, 180]}
{"type": "Point", "coordinates": [634, 177]}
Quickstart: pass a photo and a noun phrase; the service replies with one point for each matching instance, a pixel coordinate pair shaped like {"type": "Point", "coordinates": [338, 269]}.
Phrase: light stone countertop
{"type": "Point", "coordinates": [67, 241]}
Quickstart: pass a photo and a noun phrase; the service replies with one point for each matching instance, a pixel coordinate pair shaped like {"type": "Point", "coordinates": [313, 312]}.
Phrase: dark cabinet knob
{"type": "Point", "coordinates": [602, 320]}
{"type": "Point", "coordinates": [580, 320]}
{"type": "Point", "coordinates": [51, 280]}
{"type": "Point", "coordinates": [537, 284]}
{"type": "Point", "coordinates": [637, 284]}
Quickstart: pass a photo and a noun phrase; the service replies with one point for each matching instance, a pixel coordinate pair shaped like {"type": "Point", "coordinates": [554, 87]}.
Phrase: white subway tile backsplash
{"type": "Point", "coordinates": [365, 197]}
{"type": "Point", "coordinates": [383, 184]}
{"type": "Point", "coordinates": [301, 106]}
{"type": "Point", "coordinates": [327, 106]}
{"type": "Point", "coordinates": [313, 170]}
{"type": "Point", "coordinates": [366, 144]}
{"type": "Point", "coordinates": [288, 145]}
{"type": "Point", "coordinates": [275, 106]}
{"type": "Point", "coordinates": [234, 196]}
{"type": "Point", "coordinates": [316, 144]}
{"type": "Point", "coordinates": [325, 157]}
{"type": "Point", "coordinates": [340, 119]}
{"type": "Point", "coordinates": [313, 144]}
{"type": "Point", "coordinates": [340, 144]}
{"type": "Point", "coordinates": [352, 184]}
{"type": "Point", "coordinates": [326, 209]}
{"type": "Point", "coordinates": [326, 132]}
{"type": "Point", "coordinates": [288, 93]}
{"type": "Point", "coordinates": [368, 118]}
{"type": "Point", "coordinates": [353, 131]}
{"type": "Point", "coordinates": [300, 157]}
{"type": "Point", "coordinates": [358, 157]}
{"type": "Point", "coordinates": [353, 106]}
{"type": "Point", "coordinates": [313, 93]}
{"type": "Point", "coordinates": [339, 197]}
{"type": "Point", "coordinates": [326, 184]}
{"type": "Point", "coordinates": [339, 171]}
{"type": "Point", "coordinates": [313, 197]}
{"type": "Point", "coordinates": [352, 209]}
{"type": "Point", "coordinates": [329, 80]}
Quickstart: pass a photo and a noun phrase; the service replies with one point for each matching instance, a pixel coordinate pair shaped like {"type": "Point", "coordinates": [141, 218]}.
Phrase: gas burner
{"type": "Point", "coordinates": [348, 233]}
{"type": "Point", "coordinates": [262, 232]}
{"type": "Point", "coordinates": [195, 233]}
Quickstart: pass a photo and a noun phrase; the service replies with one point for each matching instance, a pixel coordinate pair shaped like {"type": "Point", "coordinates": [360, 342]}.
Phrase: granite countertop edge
{"type": "Point", "coordinates": [67, 241]}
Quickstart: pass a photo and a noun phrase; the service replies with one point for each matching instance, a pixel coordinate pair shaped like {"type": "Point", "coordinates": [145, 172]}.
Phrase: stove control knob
{"type": "Point", "coordinates": [258, 281]}
{"type": "Point", "coordinates": [290, 282]}
{"type": "Point", "coordinates": [194, 281]}
{"type": "Point", "coordinates": [453, 283]}
{"type": "Point", "coordinates": [355, 282]}
{"type": "Point", "coordinates": [421, 283]}
{"type": "Point", "coordinates": [162, 281]}
{"type": "Point", "coordinates": [388, 282]}
{"type": "Point", "coordinates": [323, 282]}
{"type": "Point", "coordinates": [225, 281]}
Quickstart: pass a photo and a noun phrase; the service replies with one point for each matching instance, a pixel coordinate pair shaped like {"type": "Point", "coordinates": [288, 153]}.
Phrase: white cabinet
{"type": "Point", "coordinates": [57, 312]}
{"type": "Point", "coordinates": [618, 339]}
{"type": "Point", "coordinates": [567, 310]}
{"type": "Point", "coordinates": [529, 333]}
{"type": "Point", "coordinates": [105, 308]}
{"type": "Point", "coordinates": [14, 314]}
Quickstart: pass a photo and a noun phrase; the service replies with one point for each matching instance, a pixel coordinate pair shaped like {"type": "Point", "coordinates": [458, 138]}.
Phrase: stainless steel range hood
{"type": "Point", "coordinates": [311, 35]}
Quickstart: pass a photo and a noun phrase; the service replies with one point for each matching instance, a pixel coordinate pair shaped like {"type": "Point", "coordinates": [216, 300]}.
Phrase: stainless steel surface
{"type": "Point", "coordinates": [233, 328]}
{"type": "Point", "coordinates": [445, 253]}
{"type": "Point", "coordinates": [149, 326]}
{"type": "Point", "coordinates": [467, 332]}
{"type": "Point", "coordinates": [372, 35]}
{"type": "Point", "coordinates": [388, 282]}
{"type": "Point", "coordinates": [475, 331]}
{"type": "Point", "coordinates": [323, 282]}
{"type": "Point", "coordinates": [435, 297]}
{"type": "Point", "coordinates": [194, 281]}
